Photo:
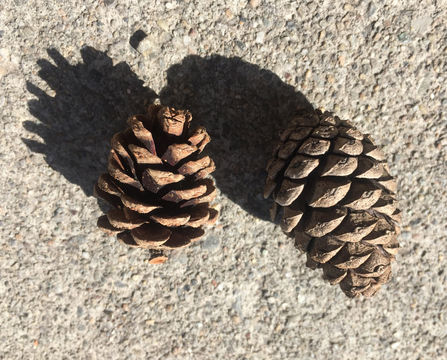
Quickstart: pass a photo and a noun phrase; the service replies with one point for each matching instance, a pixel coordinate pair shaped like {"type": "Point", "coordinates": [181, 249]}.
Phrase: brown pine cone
{"type": "Point", "coordinates": [337, 199]}
{"type": "Point", "coordinates": [157, 182]}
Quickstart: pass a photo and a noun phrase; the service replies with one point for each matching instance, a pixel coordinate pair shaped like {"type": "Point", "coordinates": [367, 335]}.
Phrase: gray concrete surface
{"type": "Point", "coordinates": [69, 78]}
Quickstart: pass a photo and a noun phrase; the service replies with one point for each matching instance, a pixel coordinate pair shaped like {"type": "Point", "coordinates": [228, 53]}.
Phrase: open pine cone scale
{"type": "Point", "coordinates": [337, 199]}
{"type": "Point", "coordinates": [156, 182]}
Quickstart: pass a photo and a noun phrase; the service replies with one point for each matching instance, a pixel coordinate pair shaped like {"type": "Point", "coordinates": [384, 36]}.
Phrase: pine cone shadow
{"type": "Point", "coordinates": [243, 108]}
{"type": "Point", "coordinates": [92, 101]}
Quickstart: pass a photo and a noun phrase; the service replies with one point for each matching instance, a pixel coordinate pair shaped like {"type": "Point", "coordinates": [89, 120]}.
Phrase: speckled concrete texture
{"type": "Point", "coordinates": [72, 71]}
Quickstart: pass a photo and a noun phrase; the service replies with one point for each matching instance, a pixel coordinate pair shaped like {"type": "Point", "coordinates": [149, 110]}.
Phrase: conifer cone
{"type": "Point", "coordinates": [337, 199]}
{"type": "Point", "coordinates": [157, 182]}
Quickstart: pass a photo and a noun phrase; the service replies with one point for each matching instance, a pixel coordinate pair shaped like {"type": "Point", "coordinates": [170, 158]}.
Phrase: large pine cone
{"type": "Point", "coordinates": [337, 199]}
{"type": "Point", "coordinates": [156, 182]}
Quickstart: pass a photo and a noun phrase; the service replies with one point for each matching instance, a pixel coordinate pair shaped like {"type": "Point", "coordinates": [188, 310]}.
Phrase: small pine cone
{"type": "Point", "coordinates": [157, 183]}
{"type": "Point", "coordinates": [337, 200]}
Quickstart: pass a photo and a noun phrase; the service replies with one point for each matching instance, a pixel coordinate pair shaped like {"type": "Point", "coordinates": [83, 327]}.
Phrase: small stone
{"type": "Point", "coordinates": [267, 22]}
{"type": "Point", "coordinates": [186, 40]}
{"type": "Point", "coordinates": [240, 45]}
{"type": "Point", "coordinates": [307, 75]}
{"type": "Point", "coordinates": [236, 319]}
{"type": "Point", "coordinates": [292, 322]}
{"type": "Point", "coordinates": [377, 36]}
{"type": "Point", "coordinates": [148, 45]}
{"type": "Point", "coordinates": [211, 243]}
{"type": "Point", "coordinates": [322, 35]}
{"type": "Point", "coordinates": [421, 24]}
{"type": "Point", "coordinates": [423, 109]}
{"type": "Point", "coordinates": [171, 5]}
{"type": "Point", "coordinates": [180, 257]}
{"type": "Point", "coordinates": [424, 85]}
{"type": "Point", "coordinates": [403, 36]}
{"type": "Point", "coordinates": [120, 284]}
{"type": "Point", "coordinates": [371, 9]}
{"type": "Point", "coordinates": [260, 37]}
{"type": "Point", "coordinates": [290, 25]}
{"type": "Point", "coordinates": [342, 60]}
{"type": "Point", "coordinates": [405, 235]}
{"type": "Point", "coordinates": [163, 24]}
{"type": "Point", "coordinates": [254, 3]}
{"type": "Point", "coordinates": [137, 277]}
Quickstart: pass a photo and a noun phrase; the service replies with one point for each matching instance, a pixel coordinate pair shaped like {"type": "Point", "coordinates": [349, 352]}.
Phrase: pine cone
{"type": "Point", "coordinates": [156, 182]}
{"type": "Point", "coordinates": [337, 199]}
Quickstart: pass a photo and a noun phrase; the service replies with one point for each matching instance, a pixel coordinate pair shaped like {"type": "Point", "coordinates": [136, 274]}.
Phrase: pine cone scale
{"type": "Point", "coordinates": [154, 180]}
{"type": "Point", "coordinates": [118, 172]}
{"type": "Point", "coordinates": [105, 225]}
{"type": "Point", "coordinates": [150, 235]}
{"type": "Point", "coordinates": [143, 156]}
{"type": "Point", "coordinates": [120, 220]}
{"type": "Point", "coordinates": [137, 205]}
{"type": "Point", "coordinates": [142, 134]}
{"type": "Point", "coordinates": [177, 152]}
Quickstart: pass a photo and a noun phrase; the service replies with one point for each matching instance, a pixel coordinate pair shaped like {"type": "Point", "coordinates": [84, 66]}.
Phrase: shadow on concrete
{"type": "Point", "coordinates": [92, 101]}
{"type": "Point", "coordinates": [242, 106]}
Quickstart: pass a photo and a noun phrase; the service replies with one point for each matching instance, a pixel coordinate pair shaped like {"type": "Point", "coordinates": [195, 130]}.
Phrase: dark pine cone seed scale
{"type": "Point", "coordinates": [337, 200]}
{"type": "Point", "coordinates": [157, 182]}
